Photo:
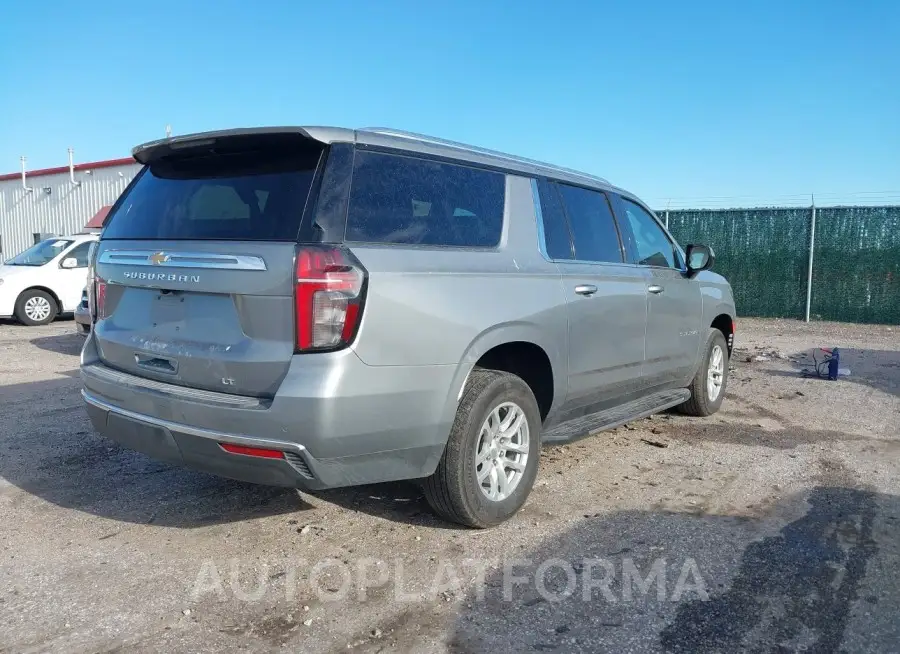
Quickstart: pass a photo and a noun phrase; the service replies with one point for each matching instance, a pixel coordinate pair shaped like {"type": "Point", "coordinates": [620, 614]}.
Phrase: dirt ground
{"type": "Point", "coordinates": [772, 526]}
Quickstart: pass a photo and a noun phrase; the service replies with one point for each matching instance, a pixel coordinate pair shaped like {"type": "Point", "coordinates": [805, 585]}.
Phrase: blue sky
{"type": "Point", "coordinates": [684, 102]}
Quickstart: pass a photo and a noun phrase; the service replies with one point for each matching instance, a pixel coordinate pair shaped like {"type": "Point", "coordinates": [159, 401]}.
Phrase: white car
{"type": "Point", "coordinates": [45, 280]}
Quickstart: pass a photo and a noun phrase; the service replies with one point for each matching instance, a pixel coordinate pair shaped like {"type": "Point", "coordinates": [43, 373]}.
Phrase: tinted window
{"type": "Point", "coordinates": [330, 214]}
{"type": "Point", "coordinates": [80, 254]}
{"type": "Point", "coordinates": [249, 195]}
{"type": "Point", "coordinates": [397, 199]}
{"type": "Point", "coordinates": [557, 241]}
{"type": "Point", "coordinates": [651, 243]}
{"type": "Point", "coordinates": [593, 227]}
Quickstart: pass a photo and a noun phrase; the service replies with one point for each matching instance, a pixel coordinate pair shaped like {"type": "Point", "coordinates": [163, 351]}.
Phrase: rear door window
{"type": "Point", "coordinates": [407, 200]}
{"type": "Point", "coordinates": [253, 196]}
{"type": "Point", "coordinates": [594, 231]}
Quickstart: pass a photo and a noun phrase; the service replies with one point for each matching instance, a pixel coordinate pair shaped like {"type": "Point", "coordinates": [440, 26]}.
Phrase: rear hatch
{"type": "Point", "coordinates": [195, 269]}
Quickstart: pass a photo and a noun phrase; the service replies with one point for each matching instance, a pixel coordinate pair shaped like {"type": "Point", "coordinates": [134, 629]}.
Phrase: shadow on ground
{"type": "Point", "coordinates": [826, 581]}
{"type": "Point", "coordinates": [61, 343]}
{"type": "Point", "coordinates": [51, 450]}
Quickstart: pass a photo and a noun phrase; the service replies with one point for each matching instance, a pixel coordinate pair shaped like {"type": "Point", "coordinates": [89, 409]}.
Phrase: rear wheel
{"type": "Point", "coordinates": [36, 307]}
{"type": "Point", "coordinates": [491, 459]}
{"type": "Point", "coordinates": [708, 386]}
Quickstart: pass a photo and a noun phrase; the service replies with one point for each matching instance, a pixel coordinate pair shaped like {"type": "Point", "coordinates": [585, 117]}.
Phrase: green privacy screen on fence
{"type": "Point", "coordinates": [764, 253]}
{"type": "Point", "coordinates": [856, 267]}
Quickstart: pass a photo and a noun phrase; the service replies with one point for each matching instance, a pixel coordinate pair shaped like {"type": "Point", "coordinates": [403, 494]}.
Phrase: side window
{"type": "Point", "coordinates": [401, 199]}
{"type": "Point", "coordinates": [80, 253]}
{"type": "Point", "coordinates": [557, 240]}
{"type": "Point", "coordinates": [652, 245]}
{"type": "Point", "coordinates": [593, 227]}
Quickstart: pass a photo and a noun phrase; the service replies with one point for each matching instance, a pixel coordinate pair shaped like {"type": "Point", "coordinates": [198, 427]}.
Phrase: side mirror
{"type": "Point", "coordinates": [69, 262]}
{"type": "Point", "coordinates": [699, 257]}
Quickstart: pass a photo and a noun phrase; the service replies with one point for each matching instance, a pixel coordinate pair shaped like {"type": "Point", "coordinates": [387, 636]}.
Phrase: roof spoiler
{"type": "Point", "coordinates": [154, 150]}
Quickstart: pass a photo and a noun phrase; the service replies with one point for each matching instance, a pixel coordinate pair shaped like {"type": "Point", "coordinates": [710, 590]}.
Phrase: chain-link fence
{"type": "Point", "coordinates": [764, 253]}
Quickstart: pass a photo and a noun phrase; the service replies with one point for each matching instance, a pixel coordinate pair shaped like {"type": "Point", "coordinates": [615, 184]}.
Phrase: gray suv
{"type": "Point", "coordinates": [319, 307]}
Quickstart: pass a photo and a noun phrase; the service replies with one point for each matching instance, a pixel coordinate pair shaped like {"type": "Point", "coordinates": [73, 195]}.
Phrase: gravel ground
{"type": "Point", "coordinates": [772, 526]}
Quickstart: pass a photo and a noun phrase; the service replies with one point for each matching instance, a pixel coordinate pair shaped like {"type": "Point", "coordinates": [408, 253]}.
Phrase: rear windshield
{"type": "Point", "coordinates": [400, 199]}
{"type": "Point", "coordinates": [248, 196]}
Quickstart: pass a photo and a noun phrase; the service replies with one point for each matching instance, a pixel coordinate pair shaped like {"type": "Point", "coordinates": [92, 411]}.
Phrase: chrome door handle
{"type": "Point", "coordinates": [655, 289]}
{"type": "Point", "coordinates": [585, 289]}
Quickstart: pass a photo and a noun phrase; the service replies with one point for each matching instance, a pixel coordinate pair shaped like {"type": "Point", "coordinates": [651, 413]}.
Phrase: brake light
{"type": "Point", "coordinates": [100, 291]}
{"type": "Point", "coordinates": [330, 288]}
{"type": "Point", "coordinates": [96, 287]}
{"type": "Point", "coordinates": [97, 299]}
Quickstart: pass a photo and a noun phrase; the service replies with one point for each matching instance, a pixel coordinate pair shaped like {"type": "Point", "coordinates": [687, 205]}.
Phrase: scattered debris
{"type": "Point", "coordinates": [307, 623]}
{"type": "Point", "coordinates": [376, 633]}
{"type": "Point", "coordinates": [304, 530]}
{"type": "Point", "coordinates": [186, 612]}
{"type": "Point", "coordinates": [655, 443]}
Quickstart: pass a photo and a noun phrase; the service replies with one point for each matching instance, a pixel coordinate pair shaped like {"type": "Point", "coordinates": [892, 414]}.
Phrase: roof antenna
{"type": "Point", "coordinates": [168, 131]}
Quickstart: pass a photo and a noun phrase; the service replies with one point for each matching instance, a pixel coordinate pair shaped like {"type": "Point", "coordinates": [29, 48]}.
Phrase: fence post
{"type": "Point", "coordinates": [812, 244]}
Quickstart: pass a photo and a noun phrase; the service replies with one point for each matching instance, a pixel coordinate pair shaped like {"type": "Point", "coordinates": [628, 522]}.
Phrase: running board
{"type": "Point", "coordinates": [572, 430]}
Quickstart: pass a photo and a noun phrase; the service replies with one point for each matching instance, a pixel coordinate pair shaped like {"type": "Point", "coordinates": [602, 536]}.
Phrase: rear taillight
{"type": "Point", "coordinates": [330, 288]}
{"type": "Point", "coordinates": [99, 310]}
{"type": "Point", "coordinates": [96, 286]}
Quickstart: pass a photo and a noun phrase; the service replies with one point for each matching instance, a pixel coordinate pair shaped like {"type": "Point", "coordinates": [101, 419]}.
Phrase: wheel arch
{"type": "Point", "coordinates": [724, 322]}
{"type": "Point", "coordinates": [512, 334]}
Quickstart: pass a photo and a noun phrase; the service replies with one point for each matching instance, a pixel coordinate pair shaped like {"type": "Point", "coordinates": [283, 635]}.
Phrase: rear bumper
{"type": "Point", "coordinates": [200, 448]}
{"type": "Point", "coordinates": [338, 421]}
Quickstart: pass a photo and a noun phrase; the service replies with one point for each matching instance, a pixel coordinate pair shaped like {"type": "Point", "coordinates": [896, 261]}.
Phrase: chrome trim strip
{"type": "Point", "coordinates": [218, 436]}
{"type": "Point", "coordinates": [166, 259]}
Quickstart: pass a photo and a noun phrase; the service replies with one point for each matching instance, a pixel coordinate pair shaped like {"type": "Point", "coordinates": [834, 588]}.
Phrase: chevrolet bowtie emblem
{"type": "Point", "coordinates": [159, 258]}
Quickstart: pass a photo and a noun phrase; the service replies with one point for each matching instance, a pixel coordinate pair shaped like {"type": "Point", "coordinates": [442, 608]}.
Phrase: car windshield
{"type": "Point", "coordinates": [40, 253]}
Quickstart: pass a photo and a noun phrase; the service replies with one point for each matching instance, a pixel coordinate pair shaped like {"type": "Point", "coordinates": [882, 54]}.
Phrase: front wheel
{"type": "Point", "coordinates": [708, 386]}
{"type": "Point", "coordinates": [491, 459]}
{"type": "Point", "coordinates": [36, 307]}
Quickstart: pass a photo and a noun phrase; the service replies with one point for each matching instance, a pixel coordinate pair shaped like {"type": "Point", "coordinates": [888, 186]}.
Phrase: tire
{"type": "Point", "coordinates": [454, 491]}
{"type": "Point", "coordinates": [701, 404]}
{"type": "Point", "coordinates": [25, 305]}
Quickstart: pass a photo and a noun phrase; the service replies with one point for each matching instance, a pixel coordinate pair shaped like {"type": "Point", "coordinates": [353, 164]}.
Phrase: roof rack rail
{"type": "Point", "coordinates": [387, 131]}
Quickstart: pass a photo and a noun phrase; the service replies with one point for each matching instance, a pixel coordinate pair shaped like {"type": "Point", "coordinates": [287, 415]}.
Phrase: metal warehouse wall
{"type": "Point", "coordinates": [64, 210]}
